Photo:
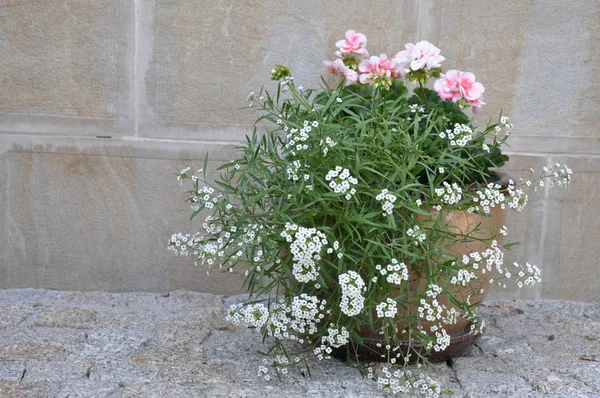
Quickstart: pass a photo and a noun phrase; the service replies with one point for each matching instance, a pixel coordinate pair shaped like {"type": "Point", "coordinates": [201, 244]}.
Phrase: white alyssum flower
{"type": "Point", "coordinates": [528, 274]}
{"type": "Point", "coordinates": [292, 170]}
{"type": "Point", "coordinates": [341, 181]}
{"type": "Point", "coordinates": [488, 260]}
{"type": "Point", "coordinates": [394, 273]}
{"type": "Point", "coordinates": [336, 336]}
{"type": "Point", "coordinates": [297, 137]}
{"type": "Point", "coordinates": [463, 277]}
{"type": "Point", "coordinates": [305, 313]}
{"type": "Point", "coordinates": [327, 144]}
{"type": "Point", "coordinates": [449, 194]}
{"type": "Point", "coordinates": [459, 136]}
{"type": "Point", "coordinates": [388, 200]}
{"type": "Point", "coordinates": [281, 319]}
{"type": "Point", "coordinates": [489, 197]}
{"type": "Point", "coordinates": [442, 339]}
{"type": "Point", "coordinates": [387, 309]}
{"type": "Point", "coordinates": [405, 382]}
{"type": "Point", "coordinates": [416, 233]}
{"type": "Point", "coordinates": [352, 302]}
{"type": "Point", "coordinates": [306, 247]}
{"type": "Point", "coordinates": [414, 108]}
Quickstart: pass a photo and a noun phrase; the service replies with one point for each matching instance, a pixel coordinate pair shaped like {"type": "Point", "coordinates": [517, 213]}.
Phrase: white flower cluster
{"type": "Point", "coordinates": [341, 181]}
{"type": "Point", "coordinates": [213, 249]}
{"type": "Point", "coordinates": [489, 197]}
{"type": "Point", "coordinates": [388, 201]}
{"type": "Point", "coordinates": [306, 247]}
{"type": "Point", "coordinates": [463, 277]}
{"type": "Point", "coordinates": [451, 316]}
{"type": "Point", "coordinates": [450, 194]}
{"type": "Point", "coordinates": [493, 257]}
{"type": "Point", "coordinates": [414, 108]}
{"type": "Point", "coordinates": [442, 339]}
{"type": "Point", "coordinates": [293, 171]}
{"type": "Point", "coordinates": [352, 285]}
{"type": "Point", "coordinates": [531, 271]}
{"type": "Point", "coordinates": [281, 362]}
{"type": "Point", "coordinates": [185, 244]}
{"type": "Point", "coordinates": [322, 351]}
{"type": "Point", "coordinates": [306, 313]}
{"type": "Point", "coordinates": [395, 272]}
{"type": "Point", "coordinates": [416, 233]}
{"type": "Point", "coordinates": [504, 122]}
{"type": "Point", "coordinates": [336, 337]}
{"type": "Point", "coordinates": [281, 320]}
{"type": "Point", "coordinates": [195, 244]}
{"type": "Point", "coordinates": [460, 136]}
{"type": "Point", "coordinates": [285, 82]}
{"type": "Point", "coordinates": [205, 195]}
{"type": "Point", "coordinates": [557, 174]}
{"type": "Point", "coordinates": [518, 198]}
{"type": "Point", "coordinates": [297, 137]}
{"type": "Point", "coordinates": [399, 381]}
{"type": "Point", "coordinates": [433, 311]}
{"type": "Point", "coordinates": [562, 176]}
{"type": "Point", "coordinates": [387, 309]}
{"type": "Point", "coordinates": [253, 315]}
{"type": "Point", "coordinates": [327, 145]}
{"type": "Point", "coordinates": [183, 175]}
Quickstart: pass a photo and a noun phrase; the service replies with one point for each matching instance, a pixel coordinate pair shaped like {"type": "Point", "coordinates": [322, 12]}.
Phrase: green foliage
{"type": "Point", "coordinates": [413, 158]}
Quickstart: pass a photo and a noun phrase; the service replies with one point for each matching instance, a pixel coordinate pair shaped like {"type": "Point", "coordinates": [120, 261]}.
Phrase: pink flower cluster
{"type": "Point", "coordinates": [455, 85]}
{"type": "Point", "coordinates": [365, 70]}
{"type": "Point", "coordinates": [357, 67]}
{"type": "Point", "coordinates": [337, 67]}
{"type": "Point", "coordinates": [374, 67]}
{"type": "Point", "coordinates": [354, 43]}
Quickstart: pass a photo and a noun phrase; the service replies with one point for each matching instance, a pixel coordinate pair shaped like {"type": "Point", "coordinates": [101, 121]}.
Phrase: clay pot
{"type": "Point", "coordinates": [462, 337]}
{"type": "Point", "coordinates": [463, 222]}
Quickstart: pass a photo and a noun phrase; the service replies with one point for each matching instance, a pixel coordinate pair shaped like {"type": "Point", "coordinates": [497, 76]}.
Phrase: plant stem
{"type": "Point", "coordinates": [423, 91]}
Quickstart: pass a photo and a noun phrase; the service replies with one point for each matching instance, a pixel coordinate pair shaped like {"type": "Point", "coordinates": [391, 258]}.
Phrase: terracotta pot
{"type": "Point", "coordinates": [463, 222]}
{"type": "Point", "coordinates": [462, 337]}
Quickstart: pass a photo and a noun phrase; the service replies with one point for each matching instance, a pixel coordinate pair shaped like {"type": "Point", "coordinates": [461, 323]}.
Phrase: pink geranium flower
{"type": "Point", "coordinates": [448, 85]}
{"type": "Point", "coordinates": [354, 42]}
{"type": "Point", "coordinates": [472, 90]}
{"type": "Point", "coordinates": [422, 55]}
{"type": "Point", "coordinates": [337, 67]}
{"type": "Point", "coordinates": [455, 85]}
{"type": "Point", "coordinates": [374, 67]}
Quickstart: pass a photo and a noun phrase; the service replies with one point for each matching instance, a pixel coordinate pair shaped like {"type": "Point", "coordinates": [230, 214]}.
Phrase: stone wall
{"type": "Point", "coordinates": [102, 101]}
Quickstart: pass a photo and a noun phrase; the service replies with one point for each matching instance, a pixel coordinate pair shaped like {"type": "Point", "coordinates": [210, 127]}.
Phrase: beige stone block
{"type": "Point", "coordinates": [201, 59]}
{"type": "Point", "coordinates": [67, 66]}
{"type": "Point", "coordinates": [487, 41]}
{"type": "Point", "coordinates": [575, 232]}
{"type": "Point", "coordinates": [510, 48]}
{"type": "Point", "coordinates": [81, 217]}
{"type": "Point", "coordinates": [3, 218]}
{"type": "Point", "coordinates": [557, 231]}
{"type": "Point", "coordinates": [558, 95]}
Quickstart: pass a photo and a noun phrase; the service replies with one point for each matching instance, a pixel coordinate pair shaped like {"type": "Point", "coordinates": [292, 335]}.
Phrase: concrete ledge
{"type": "Point", "coordinates": [177, 344]}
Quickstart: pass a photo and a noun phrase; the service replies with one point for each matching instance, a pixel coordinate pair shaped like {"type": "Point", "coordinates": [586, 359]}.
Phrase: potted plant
{"type": "Point", "coordinates": [366, 218]}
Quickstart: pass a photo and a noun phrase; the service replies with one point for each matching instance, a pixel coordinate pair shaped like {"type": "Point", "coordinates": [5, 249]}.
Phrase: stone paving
{"type": "Point", "coordinates": [72, 344]}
